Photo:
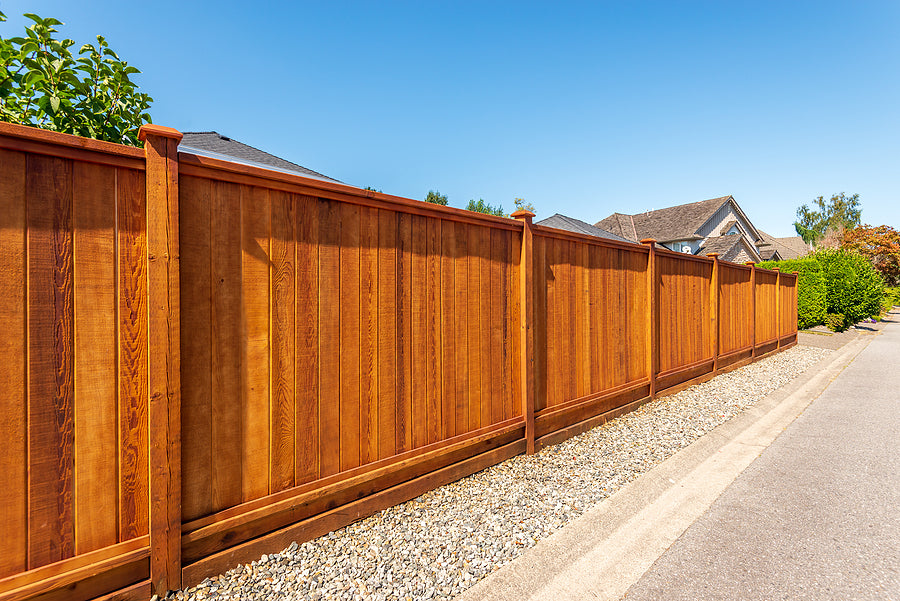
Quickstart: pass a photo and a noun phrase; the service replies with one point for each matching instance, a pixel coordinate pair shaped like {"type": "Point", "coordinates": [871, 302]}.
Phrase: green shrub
{"type": "Point", "coordinates": [836, 322]}
{"type": "Point", "coordinates": [810, 289]}
{"type": "Point", "coordinates": [853, 287]}
{"type": "Point", "coordinates": [891, 299]}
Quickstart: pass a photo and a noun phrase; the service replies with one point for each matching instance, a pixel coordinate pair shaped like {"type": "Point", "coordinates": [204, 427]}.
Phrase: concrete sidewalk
{"type": "Point", "coordinates": [611, 548]}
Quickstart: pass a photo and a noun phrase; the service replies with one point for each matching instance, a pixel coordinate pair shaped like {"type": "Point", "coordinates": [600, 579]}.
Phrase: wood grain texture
{"type": "Point", "coordinates": [226, 352]}
{"type": "Point", "coordinates": [329, 338]}
{"type": "Point", "coordinates": [418, 356]}
{"type": "Point", "coordinates": [404, 426]}
{"type": "Point", "coordinates": [51, 390]}
{"type": "Point", "coordinates": [368, 402]}
{"type": "Point", "coordinates": [255, 222]}
{"type": "Point", "coordinates": [475, 325]}
{"type": "Point", "coordinates": [13, 368]}
{"type": "Point", "coordinates": [350, 337]}
{"type": "Point", "coordinates": [307, 346]}
{"type": "Point", "coordinates": [448, 329]}
{"type": "Point", "coordinates": [96, 502]}
{"type": "Point", "coordinates": [133, 376]}
{"type": "Point", "coordinates": [283, 339]}
{"type": "Point", "coordinates": [387, 334]}
{"type": "Point", "coordinates": [433, 342]}
{"type": "Point", "coordinates": [461, 293]}
{"type": "Point", "coordinates": [196, 347]}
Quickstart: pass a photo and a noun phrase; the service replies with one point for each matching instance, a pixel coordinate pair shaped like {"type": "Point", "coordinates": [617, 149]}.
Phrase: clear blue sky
{"type": "Point", "coordinates": [582, 108]}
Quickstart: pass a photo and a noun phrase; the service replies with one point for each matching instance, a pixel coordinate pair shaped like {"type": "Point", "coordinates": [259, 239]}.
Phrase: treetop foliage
{"type": "Point", "coordinates": [838, 213]}
{"type": "Point", "coordinates": [483, 207]}
{"type": "Point", "coordinates": [880, 244]}
{"type": "Point", "coordinates": [88, 93]}
{"type": "Point", "coordinates": [436, 198]}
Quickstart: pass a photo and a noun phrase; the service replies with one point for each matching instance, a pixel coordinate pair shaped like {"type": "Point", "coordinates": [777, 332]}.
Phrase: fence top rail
{"type": "Point", "coordinates": [220, 170]}
{"type": "Point", "coordinates": [552, 232]}
{"type": "Point", "coordinates": [41, 141]}
{"type": "Point", "coordinates": [736, 266]}
{"type": "Point", "coordinates": [665, 252]}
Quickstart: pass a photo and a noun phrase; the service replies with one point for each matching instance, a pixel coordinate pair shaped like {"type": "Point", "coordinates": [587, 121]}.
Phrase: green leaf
{"type": "Point", "coordinates": [54, 104]}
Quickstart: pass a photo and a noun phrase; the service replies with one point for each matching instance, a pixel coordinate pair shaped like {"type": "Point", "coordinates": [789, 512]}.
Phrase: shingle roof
{"type": "Point", "coordinates": [562, 222]}
{"type": "Point", "coordinates": [792, 247]}
{"type": "Point", "coordinates": [212, 143]}
{"type": "Point", "coordinates": [728, 246]}
{"type": "Point", "coordinates": [672, 223]}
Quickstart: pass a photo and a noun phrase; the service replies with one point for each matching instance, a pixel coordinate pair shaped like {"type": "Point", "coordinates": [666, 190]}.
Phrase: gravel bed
{"type": "Point", "coordinates": [443, 542]}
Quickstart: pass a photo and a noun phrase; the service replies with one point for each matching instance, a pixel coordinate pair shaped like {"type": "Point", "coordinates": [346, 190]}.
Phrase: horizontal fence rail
{"type": "Point", "coordinates": [205, 361]}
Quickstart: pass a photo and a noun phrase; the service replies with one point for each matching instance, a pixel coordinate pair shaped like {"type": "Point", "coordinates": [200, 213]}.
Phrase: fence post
{"type": "Point", "coordinates": [164, 361]}
{"type": "Point", "coordinates": [752, 308]}
{"type": "Point", "coordinates": [714, 309]}
{"type": "Point", "coordinates": [652, 319]}
{"type": "Point", "coordinates": [795, 313]}
{"type": "Point", "coordinates": [777, 307]}
{"type": "Point", "coordinates": [526, 325]}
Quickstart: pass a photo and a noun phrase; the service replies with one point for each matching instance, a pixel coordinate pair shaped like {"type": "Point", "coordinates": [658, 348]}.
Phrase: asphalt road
{"type": "Point", "coordinates": [817, 515]}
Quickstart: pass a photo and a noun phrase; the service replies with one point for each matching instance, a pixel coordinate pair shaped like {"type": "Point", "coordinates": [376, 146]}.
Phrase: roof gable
{"type": "Point", "coordinates": [680, 222]}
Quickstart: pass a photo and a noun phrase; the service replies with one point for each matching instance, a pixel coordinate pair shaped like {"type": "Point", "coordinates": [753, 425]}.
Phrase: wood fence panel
{"type": "Point", "coordinates": [13, 368]}
{"type": "Point", "coordinates": [735, 307]}
{"type": "Point", "coordinates": [96, 501]}
{"type": "Point", "coordinates": [684, 312]}
{"type": "Point", "coordinates": [788, 305]}
{"type": "Point", "coordinates": [766, 328]}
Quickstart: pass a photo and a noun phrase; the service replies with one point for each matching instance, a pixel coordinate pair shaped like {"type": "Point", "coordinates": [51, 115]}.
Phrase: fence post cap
{"type": "Point", "coordinates": [776, 269]}
{"type": "Point", "coordinates": [650, 241]}
{"type": "Point", "coordinates": [149, 129]}
{"type": "Point", "coordinates": [750, 263]}
{"type": "Point", "coordinates": [712, 255]}
{"type": "Point", "coordinates": [795, 273]}
{"type": "Point", "coordinates": [523, 215]}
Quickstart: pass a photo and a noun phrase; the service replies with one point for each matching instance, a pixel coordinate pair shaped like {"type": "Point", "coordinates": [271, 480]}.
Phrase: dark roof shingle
{"type": "Point", "coordinates": [665, 225]}
{"type": "Point", "coordinates": [216, 143]}
{"type": "Point", "coordinates": [562, 222]}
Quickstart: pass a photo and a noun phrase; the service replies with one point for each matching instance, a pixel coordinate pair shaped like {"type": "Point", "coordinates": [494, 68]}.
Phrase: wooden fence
{"type": "Point", "coordinates": [204, 361]}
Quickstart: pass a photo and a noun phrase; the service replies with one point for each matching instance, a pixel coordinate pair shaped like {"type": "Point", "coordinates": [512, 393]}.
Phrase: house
{"type": "Point", "coordinates": [715, 225]}
{"type": "Point", "coordinates": [792, 247]}
{"type": "Point", "coordinates": [216, 146]}
{"type": "Point", "coordinates": [562, 222]}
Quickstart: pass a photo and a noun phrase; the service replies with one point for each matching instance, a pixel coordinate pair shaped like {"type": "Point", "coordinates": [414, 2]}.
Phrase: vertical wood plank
{"type": "Point", "coordinates": [307, 347]}
{"type": "Point", "coordinates": [448, 329]}
{"type": "Point", "coordinates": [196, 347]}
{"type": "Point", "coordinates": [133, 385]}
{"type": "Point", "coordinates": [475, 325]}
{"type": "Point", "coordinates": [13, 393]}
{"type": "Point", "coordinates": [541, 318]}
{"type": "Point", "coordinates": [509, 375]}
{"type": "Point", "coordinates": [404, 333]}
{"type": "Point", "coordinates": [387, 333]}
{"type": "Point", "coordinates": [513, 342]}
{"type": "Point", "coordinates": [255, 224]}
{"type": "Point", "coordinates": [552, 347]}
{"type": "Point", "coordinates": [329, 337]}
{"type": "Point", "coordinates": [493, 289]}
{"type": "Point", "coordinates": [526, 362]}
{"type": "Point", "coordinates": [350, 336]}
{"type": "Point", "coordinates": [164, 367]}
{"type": "Point", "coordinates": [653, 321]}
{"type": "Point", "coordinates": [595, 311]}
{"type": "Point", "coordinates": [227, 431]}
{"type": "Point", "coordinates": [461, 411]}
{"type": "Point", "coordinates": [419, 382]}
{"type": "Point", "coordinates": [283, 338]}
{"type": "Point", "coordinates": [433, 331]}
{"type": "Point", "coordinates": [368, 409]}
{"type": "Point", "coordinates": [51, 428]}
{"type": "Point", "coordinates": [96, 502]}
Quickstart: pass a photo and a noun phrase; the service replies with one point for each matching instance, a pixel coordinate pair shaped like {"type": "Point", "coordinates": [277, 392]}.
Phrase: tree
{"type": "Point", "coordinates": [881, 245]}
{"type": "Point", "coordinates": [43, 84]}
{"type": "Point", "coordinates": [370, 188]}
{"type": "Point", "coordinates": [436, 198]}
{"type": "Point", "coordinates": [483, 207]}
{"type": "Point", "coordinates": [838, 213]}
{"type": "Point", "coordinates": [521, 205]}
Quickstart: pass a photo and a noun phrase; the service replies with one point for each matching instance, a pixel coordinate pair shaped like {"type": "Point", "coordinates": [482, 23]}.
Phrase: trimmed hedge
{"type": "Point", "coordinates": [854, 287]}
{"type": "Point", "coordinates": [811, 291]}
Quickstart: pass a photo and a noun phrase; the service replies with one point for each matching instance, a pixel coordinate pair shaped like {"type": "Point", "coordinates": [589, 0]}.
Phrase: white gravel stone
{"type": "Point", "coordinates": [441, 543]}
